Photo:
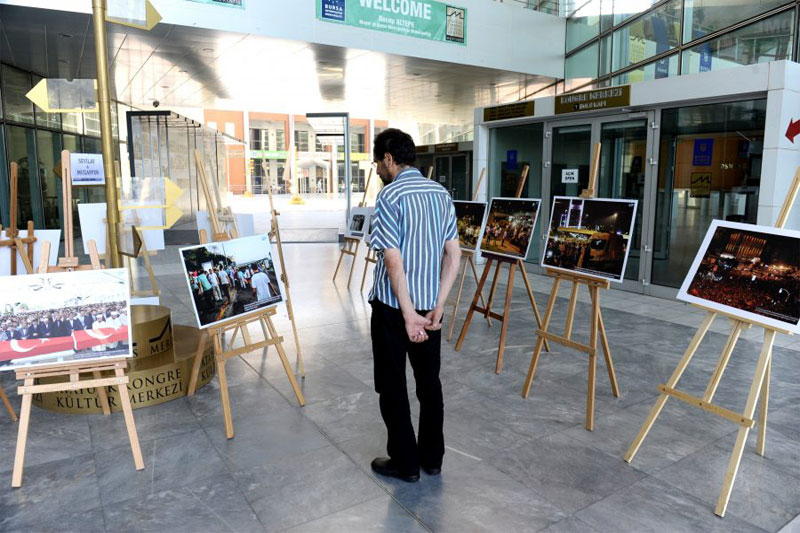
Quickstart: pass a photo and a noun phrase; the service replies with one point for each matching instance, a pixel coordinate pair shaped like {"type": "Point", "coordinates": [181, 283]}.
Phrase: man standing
{"type": "Point", "coordinates": [418, 259]}
{"type": "Point", "coordinates": [260, 284]}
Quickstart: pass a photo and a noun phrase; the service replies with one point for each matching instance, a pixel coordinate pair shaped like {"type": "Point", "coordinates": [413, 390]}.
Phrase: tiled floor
{"type": "Point", "coordinates": [511, 464]}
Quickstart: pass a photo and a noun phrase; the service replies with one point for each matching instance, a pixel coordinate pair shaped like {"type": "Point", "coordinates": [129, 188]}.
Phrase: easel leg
{"type": "Point", "coordinates": [223, 387]}
{"type": "Point", "coordinates": [483, 302]}
{"type": "Point", "coordinates": [8, 405]}
{"type": "Point", "coordinates": [533, 300]}
{"type": "Point", "coordinates": [590, 393]}
{"type": "Point", "coordinates": [762, 414]}
{"type": "Point", "coordinates": [22, 436]}
{"type": "Point", "coordinates": [506, 318]}
{"type": "Point", "coordinates": [364, 276]}
{"type": "Point", "coordinates": [551, 303]}
{"type": "Point", "coordinates": [198, 359]}
{"type": "Point", "coordinates": [673, 381]}
{"type": "Point", "coordinates": [493, 290]}
{"type": "Point", "coordinates": [341, 256]}
{"type": "Point", "coordinates": [285, 362]}
{"type": "Point", "coordinates": [749, 410]}
{"type": "Point", "coordinates": [612, 375]}
{"type": "Point", "coordinates": [474, 304]}
{"type": "Point", "coordinates": [352, 265]}
{"type": "Point", "coordinates": [300, 364]}
{"type": "Point", "coordinates": [458, 300]}
{"type": "Point", "coordinates": [133, 436]}
{"type": "Point", "coordinates": [101, 393]}
{"type": "Point", "coordinates": [573, 300]}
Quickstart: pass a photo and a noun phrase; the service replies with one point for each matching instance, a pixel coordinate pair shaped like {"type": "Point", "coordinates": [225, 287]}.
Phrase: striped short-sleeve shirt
{"type": "Point", "coordinates": [416, 216]}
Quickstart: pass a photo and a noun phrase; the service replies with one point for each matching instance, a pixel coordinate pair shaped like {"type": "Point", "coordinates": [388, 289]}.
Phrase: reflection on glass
{"type": "Point", "coordinates": [662, 68]}
{"type": "Point", "coordinates": [22, 150]}
{"type": "Point", "coordinates": [605, 55]}
{"type": "Point", "coordinates": [72, 122]}
{"type": "Point", "coordinates": [16, 84]}
{"type": "Point", "coordinates": [652, 34]}
{"type": "Point", "coordinates": [710, 167]}
{"type": "Point", "coordinates": [46, 120]}
{"type": "Point", "coordinates": [624, 9]}
{"type": "Point", "coordinates": [49, 151]}
{"type": "Point", "coordinates": [767, 40]}
{"type": "Point", "coordinates": [571, 151]}
{"type": "Point", "coordinates": [702, 17]}
{"type": "Point", "coordinates": [583, 25]}
{"type": "Point", "coordinates": [580, 68]}
{"type": "Point", "coordinates": [524, 143]}
{"type": "Point", "coordinates": [622, 173]}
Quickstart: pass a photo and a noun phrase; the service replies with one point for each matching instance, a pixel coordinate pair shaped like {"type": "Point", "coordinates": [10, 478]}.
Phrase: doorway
{"type": "Point", "coordinates": [452, 171]}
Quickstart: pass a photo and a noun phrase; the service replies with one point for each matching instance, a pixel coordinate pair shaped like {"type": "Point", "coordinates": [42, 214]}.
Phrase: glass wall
{"type": "Point", "coordinates": [637, 40]}
{"type": "Point", "coordinates": [710, 168]}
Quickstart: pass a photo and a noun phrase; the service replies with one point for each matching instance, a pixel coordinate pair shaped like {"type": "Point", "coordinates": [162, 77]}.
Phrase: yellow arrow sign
{"type": "Point", "coordinates": [134, 13]}
{"type": "Point", "coordinates": [171, 213]}
{"type": "Point", "coordinates": [65, 96]}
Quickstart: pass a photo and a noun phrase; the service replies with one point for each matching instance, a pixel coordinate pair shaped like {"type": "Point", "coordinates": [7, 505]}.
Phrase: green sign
{"type": "Point", "coordinates": [226, 3]}
{"type": "Point", "coordinates": [267, 154]}
{"type": "Point", "coordinates": [426, 19]}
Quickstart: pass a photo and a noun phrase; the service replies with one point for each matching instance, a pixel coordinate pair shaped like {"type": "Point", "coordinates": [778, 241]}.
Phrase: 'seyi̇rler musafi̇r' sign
{"type": "Point", "coordinates": [594, 100]}
{"type": "Point", "coordinates": [426, 19]}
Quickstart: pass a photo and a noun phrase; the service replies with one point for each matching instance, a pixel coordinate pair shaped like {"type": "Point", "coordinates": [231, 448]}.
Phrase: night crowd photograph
{"type": "Point", "coordinates": [510, 226]}
{"type": "Point", "coordinates": [469, 219]}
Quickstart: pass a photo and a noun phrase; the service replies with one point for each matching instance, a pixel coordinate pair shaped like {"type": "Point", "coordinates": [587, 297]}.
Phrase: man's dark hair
{"type": "Point", "coordinates": [396, 142]}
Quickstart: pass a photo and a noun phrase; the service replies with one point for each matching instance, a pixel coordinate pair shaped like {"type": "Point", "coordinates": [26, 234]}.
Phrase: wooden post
{"type": "Point", "coordinates": [7, 405]}
{"type": "Point", "coordinates": [478, 185]}
{"type": "Point", "coordinates": [17, 244]}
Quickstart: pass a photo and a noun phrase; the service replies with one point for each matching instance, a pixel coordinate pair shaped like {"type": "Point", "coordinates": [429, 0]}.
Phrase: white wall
{"type": "Point", "coordinates": [499, 36]}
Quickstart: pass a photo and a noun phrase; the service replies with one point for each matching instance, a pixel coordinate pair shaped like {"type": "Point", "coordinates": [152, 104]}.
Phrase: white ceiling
{"type": "Point", "coordinates": [191, 67]}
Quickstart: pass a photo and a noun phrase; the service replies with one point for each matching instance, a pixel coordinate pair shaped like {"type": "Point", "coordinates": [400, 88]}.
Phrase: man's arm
{"type": "Point", "coordinates": [415, 323]}
{"type": "Point", "coordinates": [450, 263]}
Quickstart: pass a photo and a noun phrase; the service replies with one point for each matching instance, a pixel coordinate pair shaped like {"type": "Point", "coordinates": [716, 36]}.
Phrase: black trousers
{"type": "Point", "coordinates": [390, 344]}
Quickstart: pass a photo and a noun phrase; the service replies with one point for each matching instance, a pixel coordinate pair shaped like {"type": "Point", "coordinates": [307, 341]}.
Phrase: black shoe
{"type": "Point", "coordinates": [385, 467]}
{"type": "Point", "coordinates": [432, 470]}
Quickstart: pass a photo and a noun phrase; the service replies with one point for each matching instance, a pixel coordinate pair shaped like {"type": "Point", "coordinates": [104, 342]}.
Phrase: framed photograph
{"type": "Point", "coordinates": [357, 226]}
{"type": "Point", "coordinates": [750, 272]}
{"type": "Point", "coordinates": [64, 317]}
{"type": "Point", "coordinates": [509, 228]}
{"type": "Point", "coordinates": [231, 278]}
{"type": "Point", "coordinates": [590, 236]}
{"type": "Point", "coordinates": [470, 217]}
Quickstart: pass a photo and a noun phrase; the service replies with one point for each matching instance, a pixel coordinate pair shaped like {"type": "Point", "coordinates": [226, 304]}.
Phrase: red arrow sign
{"type": "Point", "coordinates": [793, 130]}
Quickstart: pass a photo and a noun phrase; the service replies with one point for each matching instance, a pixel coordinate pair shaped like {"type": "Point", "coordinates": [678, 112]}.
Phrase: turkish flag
{"type": "Point", "coordinates": [18, 349]}
{"type": "Point", "coordinates": [86, 338]}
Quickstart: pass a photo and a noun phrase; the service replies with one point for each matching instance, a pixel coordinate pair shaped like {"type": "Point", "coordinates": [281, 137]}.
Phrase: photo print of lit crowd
{"type": "Point", "coordinates": [750, 271]}
{"type": "Point", "coordinates": [510, 226]}
{"type": "Point", "coordinates": [469, 221]}
{"type": "Point", "coordinates": [231, 278]}
{"type": "Point", "coordinates": [64, 317]}
{"type": "Point", "coordinates": [590, 236]}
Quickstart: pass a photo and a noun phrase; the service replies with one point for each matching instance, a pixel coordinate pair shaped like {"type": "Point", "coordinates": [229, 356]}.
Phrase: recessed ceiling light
{"type": "Point", "coordinates": [416, 74]}
{"type": "Point", "coordinates": [209, 50]}
{"type": "Point", "coordinates": [165, 87]}
{"type": "Point", "coordinates": [183, 71]}
{"type": "Point", "coordinates": [65, 35]}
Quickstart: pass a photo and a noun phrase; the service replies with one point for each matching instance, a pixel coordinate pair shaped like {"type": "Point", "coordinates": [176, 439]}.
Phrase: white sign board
{"type": "Point", "coordinates": [93, 227]}
{"type": "Point", "coordinates": [569, 175]}
{"type": "Point", "coordinates": [87, 169]}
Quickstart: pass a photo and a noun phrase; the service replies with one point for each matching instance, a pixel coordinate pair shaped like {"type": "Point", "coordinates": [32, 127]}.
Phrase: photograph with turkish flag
{"type": "Point", "coordinates": [64, 317]}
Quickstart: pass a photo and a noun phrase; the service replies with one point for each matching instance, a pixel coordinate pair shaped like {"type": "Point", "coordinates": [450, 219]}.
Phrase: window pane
{"type": "Point", "coordinates": [49, 150]}
{"type": "Point", "coordinates": [606, 14]}
{"type": "Point", "coordinates": [22, 150]}
{"type": "Point", "coordinates": [605, 55]}
{"type": "Point", "coordinates": [663, 68]}
{"type": "Point", "coordinates": [584, 25]}
{"type": "Point", "coordinates": [16, 85]}
{"type": "Point", "coordinates": [46, 120]}
{"type": "Point", "coordinates": [72, 122]}
{"type": "Point", "coordinates": [625, 9]}
{"type": "Point", "coordinates": [702, 17]}
{"type": "Point", "coordinates": [581, 68]}
{"type": "Point", "coordinates": [652, 34]}
{"type": "Point", "coordinates": [91, 124]}
{"type": "Point", "coordinates": [766, 40]}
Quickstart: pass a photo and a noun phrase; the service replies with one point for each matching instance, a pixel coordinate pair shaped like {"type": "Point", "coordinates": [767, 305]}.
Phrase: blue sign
{"type": "Point", "coordinates": [333, 10]}
{"type": "Point", "coordinates": [511, 160]}
{"type": "Point", "coordinates": [703, 149]}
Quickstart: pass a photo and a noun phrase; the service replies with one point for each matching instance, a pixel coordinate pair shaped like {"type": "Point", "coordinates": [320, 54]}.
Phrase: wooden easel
{"type": "Point", "coordinates": [759, 388]}
{"type": "Point", "coordinates": [351, 243]}
{"type": "Point", "coordinates": [144, 253]}
{"type": "Point", "coordinates": [16, 243]}
{"type": "Point", "coordinates": [371, 257]}
{"type": "Point", "coordinates": [486, 311]}
{"type": "Point", "coordinates": [467, 259]}
{"type": "Point", "coordinates": [217, 215]}
{"type": "Point", "coordinates": [275, 233]}
{"type": "Point", "coordinates": [223, 352]}
{"type": "Point", "coordinates": [596, 327]}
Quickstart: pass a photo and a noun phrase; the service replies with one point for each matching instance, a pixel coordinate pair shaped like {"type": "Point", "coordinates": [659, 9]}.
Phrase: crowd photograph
{"type": "Point", "coordinates": [231, 278]}
{"type": "Point", "coordinates": [750, 271]}
{"type": "Point", "coordinates": [469, 221]}
{"type": "Point", "coordinates": [510, 226]}
{"type": "Point", "coordinates": [591, 236]}
{"type": "Point", "coordinates": [48, 317]}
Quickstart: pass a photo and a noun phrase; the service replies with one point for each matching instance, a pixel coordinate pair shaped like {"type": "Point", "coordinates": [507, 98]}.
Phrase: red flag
{"type": "Point", "coordinates": [19, 349]}
{"type": "Point", "coordinates": [86, 338]}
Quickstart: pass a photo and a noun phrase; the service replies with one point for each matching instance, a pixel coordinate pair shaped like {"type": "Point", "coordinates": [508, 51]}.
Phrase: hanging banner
{"type": "Point", "coordinates": [426, 19]}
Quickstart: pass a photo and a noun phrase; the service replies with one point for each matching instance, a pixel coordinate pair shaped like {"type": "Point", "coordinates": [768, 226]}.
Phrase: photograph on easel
{"type": "Point", "coordinates": [750, 272]}
{"type": "Point", "coordinates": [590, 236]}
{"type": "Point", "coordinates": [509, 228]}
{"type": "Point", "coordinates": [469, 221]}
{"type": "Point", "coordinates": [64, 317]}
{"type": "Point", "coordinates": [359, 218]}
{"type": "Point", "coordinates": [231, 278]}
{"type": "Point", "coordinates": [373, 223]}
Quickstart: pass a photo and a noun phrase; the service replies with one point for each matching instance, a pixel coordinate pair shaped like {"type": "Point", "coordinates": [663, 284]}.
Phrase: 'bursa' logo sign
{"type": "Point", "coordinates": [333, 9]}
